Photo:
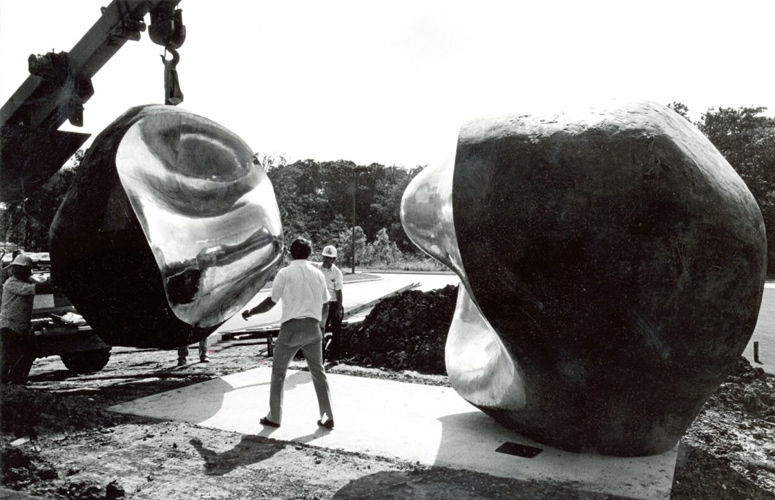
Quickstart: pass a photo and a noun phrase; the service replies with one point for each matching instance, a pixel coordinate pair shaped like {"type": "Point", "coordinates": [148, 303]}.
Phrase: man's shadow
{"type": "Point", "coordinates": [250, 450]}
{"type": "Point", "coordinates": [254, 448]}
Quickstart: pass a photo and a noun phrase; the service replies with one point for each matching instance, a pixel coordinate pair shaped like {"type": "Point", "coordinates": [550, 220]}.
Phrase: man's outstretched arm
{"type": "Point", "coordinates": [263, 307]}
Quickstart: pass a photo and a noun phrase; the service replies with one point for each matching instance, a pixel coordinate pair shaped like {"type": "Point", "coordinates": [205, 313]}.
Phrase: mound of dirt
{"type": "Point", "coordinates": [732, 440]}
{"type": "Point", "coordinates": [404, 332]}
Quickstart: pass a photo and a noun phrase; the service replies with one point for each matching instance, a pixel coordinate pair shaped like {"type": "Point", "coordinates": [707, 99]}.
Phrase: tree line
{"type": "Point", "coordinates": [324, 201]}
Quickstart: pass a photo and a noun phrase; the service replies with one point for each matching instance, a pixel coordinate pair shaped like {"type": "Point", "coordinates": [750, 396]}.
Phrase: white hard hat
{"type": "Point", "coordinates": [329, 251]}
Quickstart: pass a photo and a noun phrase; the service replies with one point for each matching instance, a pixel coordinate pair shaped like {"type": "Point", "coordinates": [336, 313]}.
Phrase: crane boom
{"type": "Point", "coordinates": [32, 148]}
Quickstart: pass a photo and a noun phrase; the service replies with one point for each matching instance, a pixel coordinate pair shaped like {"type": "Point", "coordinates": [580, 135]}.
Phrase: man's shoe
{"type": "Point", "coordinates": [265, 421]}
{"type": "Point", "coordinates": [328, 424]}
{"type": "Point", "coordinates": [204, 359]}
{"type": "Point", "coordinates": [181, 362]}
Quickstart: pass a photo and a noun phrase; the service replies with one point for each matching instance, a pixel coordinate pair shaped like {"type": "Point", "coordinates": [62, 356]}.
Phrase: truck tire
{"type": "Point", "coordinates": [86, 362]}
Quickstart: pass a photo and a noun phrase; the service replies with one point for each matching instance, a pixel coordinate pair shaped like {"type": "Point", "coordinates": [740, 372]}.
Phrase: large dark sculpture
{"type": "Point", "coordinates": [612, 269]}
{"type": "Point", "coordinates": [168, 230]}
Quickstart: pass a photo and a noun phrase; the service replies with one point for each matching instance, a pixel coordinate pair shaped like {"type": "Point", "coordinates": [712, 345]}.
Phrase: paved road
{"type": "Point", "coordinates": [764, 333]}
{"type": "Point", "coordinates": [359, 293]}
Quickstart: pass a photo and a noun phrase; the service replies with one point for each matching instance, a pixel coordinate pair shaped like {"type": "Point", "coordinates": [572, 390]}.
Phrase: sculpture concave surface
{"type": "Point", "coordinates": [168, 230]}
{"type": "Point", "coordinates": [612, 266]}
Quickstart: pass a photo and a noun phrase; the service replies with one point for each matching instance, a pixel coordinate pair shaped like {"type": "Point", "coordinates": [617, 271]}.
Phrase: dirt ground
{"type": "Point", "coordinates": [60, 441]}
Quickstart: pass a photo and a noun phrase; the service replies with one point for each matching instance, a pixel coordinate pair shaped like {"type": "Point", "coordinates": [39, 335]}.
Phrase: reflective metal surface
{"type": "Point", "coordinates": [169, 229]}
{"type": "Point", "coordinates": [612, 265]}
{"type": "Point", "coordinates": [426, 214]}
{"type": "Point", "coordinates": [478, 366]}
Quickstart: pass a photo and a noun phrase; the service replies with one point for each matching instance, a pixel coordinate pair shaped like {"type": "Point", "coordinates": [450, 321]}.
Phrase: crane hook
{"type": "Point", "coordinates": [172, 93]}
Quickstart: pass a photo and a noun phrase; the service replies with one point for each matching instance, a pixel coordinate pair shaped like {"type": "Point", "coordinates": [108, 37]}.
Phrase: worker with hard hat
{"type": "Point", "coordinates": [6, 272]}
{"type": "Point", "coordinates": [18, 339]}
{"type": "Point", "coordinates": [333, 326]}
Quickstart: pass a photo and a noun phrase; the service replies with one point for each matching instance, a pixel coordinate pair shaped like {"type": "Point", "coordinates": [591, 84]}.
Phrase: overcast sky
{"type": "Point", "coordinates": [391, 82]}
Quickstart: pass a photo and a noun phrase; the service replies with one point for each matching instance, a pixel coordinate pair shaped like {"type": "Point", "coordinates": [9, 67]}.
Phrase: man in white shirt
{"type": "Point", "coordinates": [302, 288]}
{"type": "Point", "coordinates": [334, 279]}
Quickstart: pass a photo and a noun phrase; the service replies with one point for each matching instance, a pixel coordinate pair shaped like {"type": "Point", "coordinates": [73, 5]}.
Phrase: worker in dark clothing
{"type": "Point", "coordinates": [203, 357]}
{"type": "Point", "coordinates": [17, 340]}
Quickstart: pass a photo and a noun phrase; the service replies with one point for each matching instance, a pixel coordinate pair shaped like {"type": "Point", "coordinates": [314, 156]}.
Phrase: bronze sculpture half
{"type": "Point", "coordinates": [169, 229]}
{"type": "Point", "coordinates": [612, 267]}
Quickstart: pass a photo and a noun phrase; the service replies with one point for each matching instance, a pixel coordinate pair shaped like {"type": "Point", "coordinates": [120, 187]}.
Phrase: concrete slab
{"type": "Point", "coordinates": [417, 423]}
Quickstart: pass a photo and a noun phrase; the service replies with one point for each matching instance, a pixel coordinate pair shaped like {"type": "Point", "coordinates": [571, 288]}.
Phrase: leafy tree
{"type": "Point", "coordinates": [337, 180]}
{"type": "Point", "coordinates": [680, 108]}
{"type": "Point", "coordinates": [747, 141]}
{"type": "Point", "coordinates": [316, 199]}
{"type": "Point", "coordinates": [381, 252]}
{"type": "Point", "coordinates": [270, 161]}
{"type": "Point", "coordinates": [299, 198]}
{"type": "Point", "coordinates": [329, 235]}
{"type": "Point", "coordinates": [746, 138]}
{"type": "Point", "coordinates": [346, 246]}
{"type": "Point", "coordinates": [390, 185]}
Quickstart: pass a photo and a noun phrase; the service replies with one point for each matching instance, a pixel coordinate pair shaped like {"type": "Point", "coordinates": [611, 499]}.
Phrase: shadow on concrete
{"type": "Point", "coordinates": [205, 400]}
{"type": "Point", "coordinates": [456, 432]}
{"type": "Point", "coordinates": [201, 401]}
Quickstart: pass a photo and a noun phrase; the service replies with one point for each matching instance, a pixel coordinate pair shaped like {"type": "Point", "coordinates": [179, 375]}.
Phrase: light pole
{"type": "Point", "coordinates": [353, 234]}
{"type": "Point", "coordinates": [355, 171]}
